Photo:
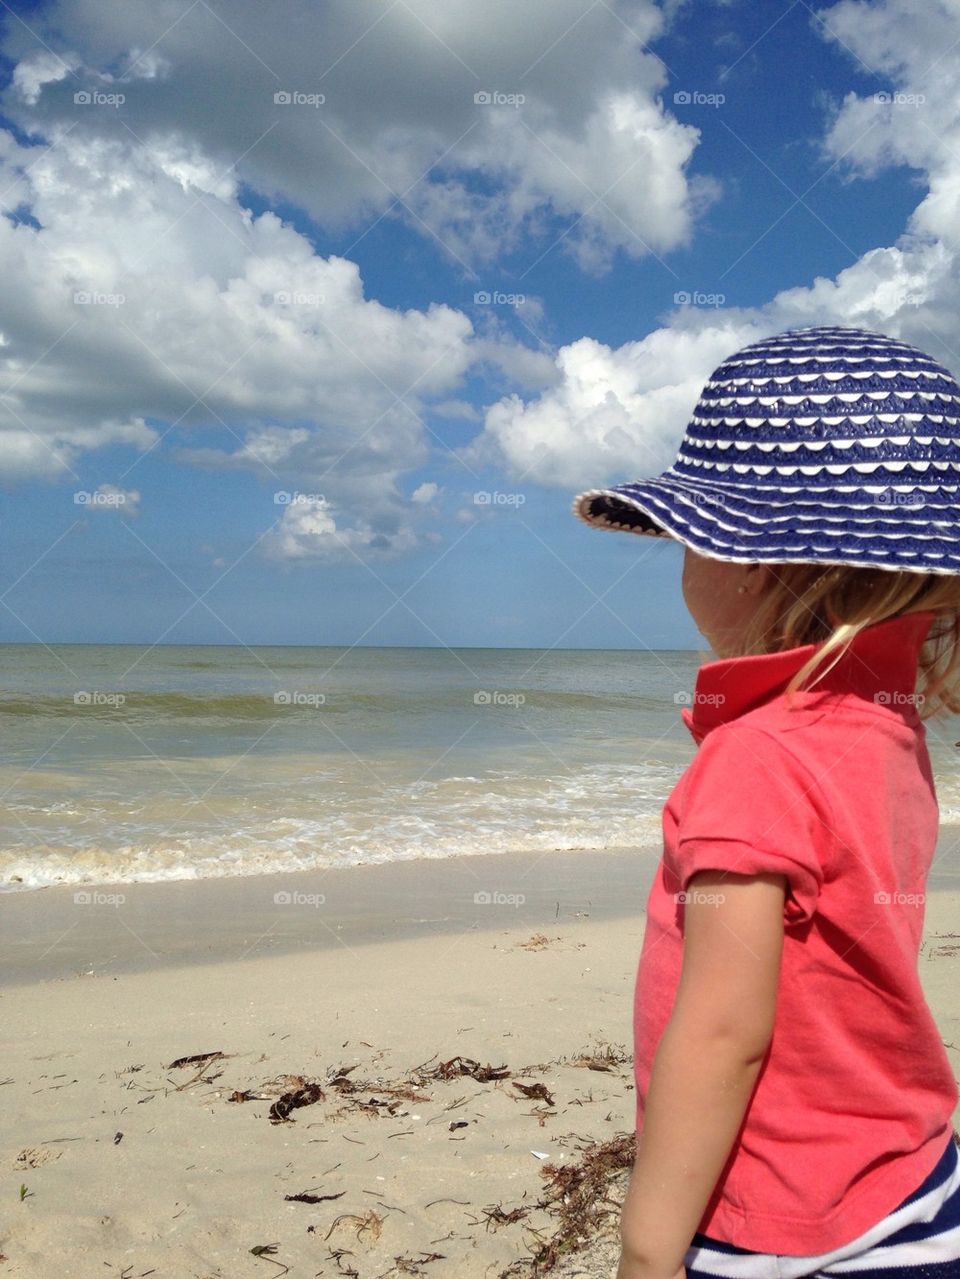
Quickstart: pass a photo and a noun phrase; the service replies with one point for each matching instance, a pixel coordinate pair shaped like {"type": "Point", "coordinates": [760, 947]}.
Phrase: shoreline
{"type": "Point", "coordinates": [46, 934]}
{"type": "Point", "coordinates": [62, 931]}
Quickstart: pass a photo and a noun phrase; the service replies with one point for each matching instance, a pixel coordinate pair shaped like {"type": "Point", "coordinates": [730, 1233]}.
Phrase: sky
{"type": "Point", "coordinates": [314, 318]}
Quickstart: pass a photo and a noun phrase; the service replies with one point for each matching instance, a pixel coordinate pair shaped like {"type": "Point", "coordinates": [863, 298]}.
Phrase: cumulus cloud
{"type": "Point", "coordinates": [140, 291]}
{"type": "Point", "coordinates": [38, 69]}
{"type": "Point", "coordinates": [142, 300]}
{"type": "Point", "coordinates": [615, 414]}
{"type": "Point", "coordinates": [611, 410]}
{"type": "Point", "coordinates": [309, 530]}
{"type": "Point", "coordinates": [147, 293]}
{"type": "Point", "coordinates": [400, 109]}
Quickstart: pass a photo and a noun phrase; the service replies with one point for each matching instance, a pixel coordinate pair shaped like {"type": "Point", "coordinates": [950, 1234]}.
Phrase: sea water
{"type": "Point", "coordinates": [126, 762]}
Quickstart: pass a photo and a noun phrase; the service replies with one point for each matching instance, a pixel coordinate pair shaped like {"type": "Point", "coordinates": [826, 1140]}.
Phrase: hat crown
{"type": "Point", "coordinates": [827, 445]}
{"type": "Point", "coordinates": [809, 406]}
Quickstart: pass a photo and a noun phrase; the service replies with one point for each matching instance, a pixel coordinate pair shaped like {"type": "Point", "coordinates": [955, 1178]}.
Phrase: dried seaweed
{"type": "Point", "coordinates": [308, 1095]}
{"type": "Point", "coordinates": [536, 1092]}
{"type": "Point", "coordinates": [306, 1198]}
{"type": "Point", "coordinates": [196, 1060]}
{"type": "Point", "coordinates": [466, 1066]}
{"type": "Point", "coordinates": [578, 1194]}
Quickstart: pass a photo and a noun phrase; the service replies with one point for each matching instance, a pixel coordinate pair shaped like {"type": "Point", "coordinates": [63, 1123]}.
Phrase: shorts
{"type": "Point", "coordinates": [918, 1240]}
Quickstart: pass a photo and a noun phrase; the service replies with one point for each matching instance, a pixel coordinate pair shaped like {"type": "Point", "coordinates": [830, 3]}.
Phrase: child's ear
{"type": "Point", "coordinates": [760, 577]}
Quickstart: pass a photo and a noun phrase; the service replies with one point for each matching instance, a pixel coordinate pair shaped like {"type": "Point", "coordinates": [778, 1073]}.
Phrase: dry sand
{"type": "Point", "coordinates": [134, 1167]}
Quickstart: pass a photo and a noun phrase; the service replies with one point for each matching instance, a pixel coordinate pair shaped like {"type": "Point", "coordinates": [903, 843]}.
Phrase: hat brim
{"type": "Point", "coordinates": [724, 522]}
{"type": "Point", "coordinates": [611, 508]}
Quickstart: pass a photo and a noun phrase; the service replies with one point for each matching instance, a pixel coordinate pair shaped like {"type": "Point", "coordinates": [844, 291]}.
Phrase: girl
{"type": "Point", "coordinates": [794, 1098]}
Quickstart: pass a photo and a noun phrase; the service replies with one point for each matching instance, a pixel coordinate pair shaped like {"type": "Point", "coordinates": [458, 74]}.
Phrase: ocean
{"type": "Point", "coordinates": [125, 763]}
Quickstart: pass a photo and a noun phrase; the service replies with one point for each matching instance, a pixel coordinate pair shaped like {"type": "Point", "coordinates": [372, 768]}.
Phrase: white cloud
{"type": "Point", "coordinates": [212, 317]}
{"type": "Point", "coordinates": [138, 289]}
{"type": "Point", "coordinates": [425, 493]}
{"type": "Point", "coordinates": [400, 119]}
{"type": "Point", "coordinates": [615, 414]}
{"type": "Point", "coordinates": [310, 531]}
{"type": "Point", "coordinates": [148, 293]}
{"type": "Point", "coordinates": [456, 409]}
{"type": "Point", "coordinates": [38, 69]}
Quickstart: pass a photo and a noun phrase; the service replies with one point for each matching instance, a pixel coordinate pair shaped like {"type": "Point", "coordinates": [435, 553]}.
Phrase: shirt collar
{"type": "Point", "coordinates": [882, 657]}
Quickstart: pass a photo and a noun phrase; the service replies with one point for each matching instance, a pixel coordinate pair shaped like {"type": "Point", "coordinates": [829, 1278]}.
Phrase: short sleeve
{"type": "Point", "coordinates": [750, 806]}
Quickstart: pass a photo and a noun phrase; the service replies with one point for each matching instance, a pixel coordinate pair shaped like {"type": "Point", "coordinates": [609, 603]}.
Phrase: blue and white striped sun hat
{"type": "Point", "coordinates": [823, 445]}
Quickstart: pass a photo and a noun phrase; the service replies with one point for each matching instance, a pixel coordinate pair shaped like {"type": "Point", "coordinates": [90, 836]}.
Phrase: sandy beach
{"type": "Point", "coordinates": [397, 1079]}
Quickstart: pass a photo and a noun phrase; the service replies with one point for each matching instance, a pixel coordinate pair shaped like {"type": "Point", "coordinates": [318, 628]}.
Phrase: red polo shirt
{"type": "Point", "coordinates": [852, 1108]}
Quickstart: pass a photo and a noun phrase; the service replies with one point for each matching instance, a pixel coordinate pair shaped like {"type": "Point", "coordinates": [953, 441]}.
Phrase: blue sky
{"type": "Point", "coordinates": [280, 296]}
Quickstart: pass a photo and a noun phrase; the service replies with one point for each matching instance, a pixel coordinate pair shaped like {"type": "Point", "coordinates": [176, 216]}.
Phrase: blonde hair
{"type": "Point", "coordinates": [830, 605]}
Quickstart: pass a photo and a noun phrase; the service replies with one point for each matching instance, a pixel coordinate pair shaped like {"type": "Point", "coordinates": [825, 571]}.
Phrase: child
{"type": "Point", "coordinates": [794, 1097]}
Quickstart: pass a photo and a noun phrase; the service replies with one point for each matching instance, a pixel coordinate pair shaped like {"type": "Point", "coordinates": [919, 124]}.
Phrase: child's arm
{"type": "Point", "coordinates": [706, 1065]}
